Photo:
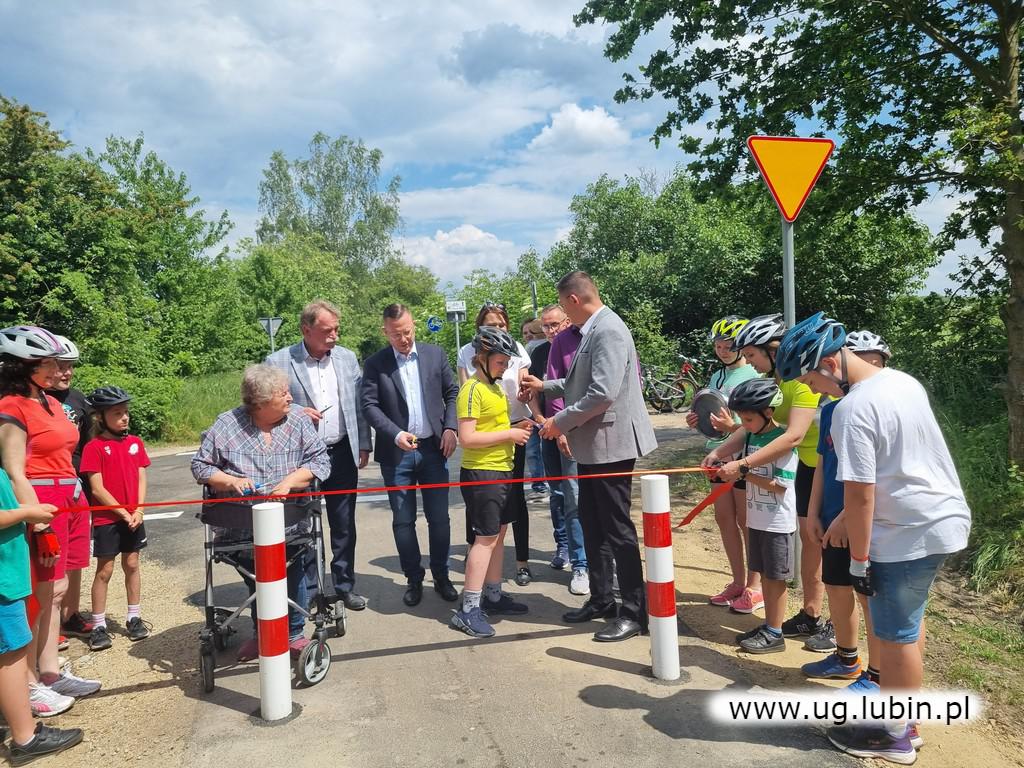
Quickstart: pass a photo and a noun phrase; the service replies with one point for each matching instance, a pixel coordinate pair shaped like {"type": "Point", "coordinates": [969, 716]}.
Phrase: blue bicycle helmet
{"type": "Point", "coordinates": [806, 343]}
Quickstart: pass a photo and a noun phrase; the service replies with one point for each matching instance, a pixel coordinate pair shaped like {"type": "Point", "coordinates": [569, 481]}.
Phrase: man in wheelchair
{"type": "Point", "coordinates": [266, 446]}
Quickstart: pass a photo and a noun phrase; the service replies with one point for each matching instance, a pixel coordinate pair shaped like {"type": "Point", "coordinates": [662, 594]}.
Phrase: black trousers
{"type": "Point", "coordinates": [517, 505]}
{"type": "Point", "coordinates": [341, 514]}
{"type": "Point", "coordinates": [609, 532]}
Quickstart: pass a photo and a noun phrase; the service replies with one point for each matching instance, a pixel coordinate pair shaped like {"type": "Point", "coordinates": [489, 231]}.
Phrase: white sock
{"type": "Point", "coordinates": [99, 619]}
{"type": "Point", "coordinates": [134, 612]}
{"type": "Point", "coordinates": [493, 591]}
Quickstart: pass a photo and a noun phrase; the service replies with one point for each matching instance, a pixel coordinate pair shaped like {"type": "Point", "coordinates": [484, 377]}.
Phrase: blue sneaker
{"type": "Point", "coordinates": [472, 623]}
{"type": "Point", "coordinates": [504, 605]}
{"type": "Point", "coordinates": [832, 668]}
{"type": "Point", "coordinates": [561, 559]}
{"type": "Point", "coordinates": [873, 742]}
{"type": "Point", "coordinates": [862, 686]}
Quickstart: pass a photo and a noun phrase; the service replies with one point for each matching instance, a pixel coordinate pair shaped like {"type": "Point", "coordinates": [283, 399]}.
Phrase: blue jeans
{"type": "Point", "coordinates": [901, 594]}
{"type": "Point", "coordinates": [535, 456]}
{"type": "Point", "coordinates": [423, 466]}
{"type": "Point", "coordinates": [563, 503]}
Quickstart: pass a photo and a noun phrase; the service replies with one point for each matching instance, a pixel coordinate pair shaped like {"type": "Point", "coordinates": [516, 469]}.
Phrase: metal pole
{"type": "Point", "coordinates": [788, 274]}
{"type": "Point", "coordinates": [789, 313]}
{"type": "Point", "coordinates": [533, 289]}
{"type": "Point", "coordinates": [458, 344]}
{"type": "Point", "coordinates": [272, 348]}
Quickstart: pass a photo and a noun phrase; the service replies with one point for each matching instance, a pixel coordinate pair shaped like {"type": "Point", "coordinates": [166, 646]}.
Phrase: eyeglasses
{"type": "Point", "coordinates": [555, 326]}
{"type": "Point", "coordinates": [489, 304]}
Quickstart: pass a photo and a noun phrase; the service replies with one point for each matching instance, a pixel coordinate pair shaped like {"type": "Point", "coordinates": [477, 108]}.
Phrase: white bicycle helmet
{"type": "Point", "coordinates": [866, 341]}
{"type": "Point", "coordinates": [29, 342]}
{"type": "Point", "coordinates": [71, 354]}
{"type": "Point", "coordinates": [760, 332]}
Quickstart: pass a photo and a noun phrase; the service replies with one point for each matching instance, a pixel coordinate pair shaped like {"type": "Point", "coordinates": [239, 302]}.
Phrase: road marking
{"type": "Point", "coordinates": [373, 497]}
{"type": "Point", "coordinates": [163, 515]}
{"type": "Point", "coordinates": [186, 453]}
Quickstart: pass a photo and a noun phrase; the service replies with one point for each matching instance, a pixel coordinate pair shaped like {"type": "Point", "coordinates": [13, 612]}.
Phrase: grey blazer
{"type": "Point", "coordinates": [605, 419]}
{"type": "Point", "coordinates": [292, 360]}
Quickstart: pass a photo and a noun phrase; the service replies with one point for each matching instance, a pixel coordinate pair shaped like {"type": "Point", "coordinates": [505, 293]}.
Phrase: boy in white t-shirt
{"type": "Point", "coordinates": [771, 510]}
{"type": "Point", "coordinates": [905, 510]}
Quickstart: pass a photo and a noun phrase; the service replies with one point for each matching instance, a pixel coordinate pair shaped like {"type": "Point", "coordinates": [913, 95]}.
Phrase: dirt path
{"type": "Point", "coordinates": [995, 741]}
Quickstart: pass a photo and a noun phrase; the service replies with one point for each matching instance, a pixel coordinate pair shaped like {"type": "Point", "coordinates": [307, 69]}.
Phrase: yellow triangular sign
{"type": "Point", "coordinates": [790, 167]}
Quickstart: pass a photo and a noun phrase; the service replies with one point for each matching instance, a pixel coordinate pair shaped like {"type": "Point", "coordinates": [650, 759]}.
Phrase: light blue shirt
{"type": "Point", "coordinates": [409, 370]}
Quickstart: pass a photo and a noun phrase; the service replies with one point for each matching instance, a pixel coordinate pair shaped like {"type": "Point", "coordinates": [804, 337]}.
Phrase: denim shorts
{"type": "Point", "coordinates": [901, 593]}
{"type": "Point", "coordinates": [14, 631]}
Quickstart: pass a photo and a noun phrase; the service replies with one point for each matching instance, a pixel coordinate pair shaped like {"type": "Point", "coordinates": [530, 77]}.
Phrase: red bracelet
{"type": "Point", "coordinates": [860, 559]}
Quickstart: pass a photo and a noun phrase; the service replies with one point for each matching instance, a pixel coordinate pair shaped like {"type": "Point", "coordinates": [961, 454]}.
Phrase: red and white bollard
{"type": "Point", "coordinates": [661, 586]}
{"type": "Point", "coordinates": [272, 609]}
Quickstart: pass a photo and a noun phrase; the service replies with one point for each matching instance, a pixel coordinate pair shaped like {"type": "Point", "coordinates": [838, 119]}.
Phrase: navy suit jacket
{"type": "Point", "coordinates": [384, 404]}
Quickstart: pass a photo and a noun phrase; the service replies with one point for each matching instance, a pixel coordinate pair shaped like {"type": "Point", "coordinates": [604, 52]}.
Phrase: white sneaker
{"type": "Point", "coordinates": [70, 685]}
{"type": "Point", "coordinates": [580, 584]}
{"type": "Point", "coordinates": [46, 702]}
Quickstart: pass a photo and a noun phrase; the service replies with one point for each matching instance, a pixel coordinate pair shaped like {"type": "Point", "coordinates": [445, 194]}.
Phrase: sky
{"type": "Point", "coordinates": [492, 113]}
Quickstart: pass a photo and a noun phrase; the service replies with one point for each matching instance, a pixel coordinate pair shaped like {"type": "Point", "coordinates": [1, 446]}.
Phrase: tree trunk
{"type": "Point", "coordinates": [1013, 241]}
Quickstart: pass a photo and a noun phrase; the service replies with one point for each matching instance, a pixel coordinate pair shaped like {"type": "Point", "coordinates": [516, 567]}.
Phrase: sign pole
{"type": "Point", "coordinates": [788, 274]}
{"type": "Point", "coordinates": [458, 344]}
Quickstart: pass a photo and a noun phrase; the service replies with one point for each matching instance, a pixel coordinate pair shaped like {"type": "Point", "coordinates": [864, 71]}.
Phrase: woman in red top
{"type": "Point", "coordinates": [36, 443]}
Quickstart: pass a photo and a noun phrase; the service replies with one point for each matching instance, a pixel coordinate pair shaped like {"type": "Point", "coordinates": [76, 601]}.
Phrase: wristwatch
{"type": "Point", "coordinates": [744, 469]}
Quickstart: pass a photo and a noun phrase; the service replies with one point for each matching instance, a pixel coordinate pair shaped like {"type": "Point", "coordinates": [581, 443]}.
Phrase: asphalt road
{"type": "Point", "coordinates": [406, 690]}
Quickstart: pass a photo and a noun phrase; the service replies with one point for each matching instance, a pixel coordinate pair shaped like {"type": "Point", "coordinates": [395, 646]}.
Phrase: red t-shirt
{"type": "Point", "coordinates": [118, 461]}
{"type": "Point", "coordinates": [51, 435]}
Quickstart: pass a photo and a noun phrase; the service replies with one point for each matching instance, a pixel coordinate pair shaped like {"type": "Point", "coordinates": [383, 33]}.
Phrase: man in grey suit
{"type": "Point", "coordinates": [606, 424]}
{"type": "Point", "coordinates": [408, 397]}
{"type": "Point", "coordinates": [324, 379]}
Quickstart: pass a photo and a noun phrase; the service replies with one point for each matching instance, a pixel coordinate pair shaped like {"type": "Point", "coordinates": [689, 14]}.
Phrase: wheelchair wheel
{"type": "Point", "coordinates": [206, 669]}
{"type": "Point", "coordinates": [341, 625]}
{"type": "Point", "coordinates": [220, 640]}
{"type": "Point", "coordinates": [314, 662]}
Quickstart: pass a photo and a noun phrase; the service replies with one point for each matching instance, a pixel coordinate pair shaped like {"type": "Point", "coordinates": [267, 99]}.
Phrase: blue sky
{"type": "Point", "coordinates": [493, 113]}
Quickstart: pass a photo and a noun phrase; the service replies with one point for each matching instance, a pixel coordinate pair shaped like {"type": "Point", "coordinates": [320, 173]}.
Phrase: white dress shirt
{"type": "Point", "coordinates": [409, 370]}
{"type": "Point", "coordinates": [324, 381]}
{"type": "Point", "coordinates": [590, 321]}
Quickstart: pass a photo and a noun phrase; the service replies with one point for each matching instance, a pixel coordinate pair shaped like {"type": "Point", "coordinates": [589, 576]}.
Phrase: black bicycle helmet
{"type": "Point", "coordinates": [494, 341]}
{"type": "Point", "coordinates": [755, 395]}
{"type": "Point", "coordinates": [108, 397]}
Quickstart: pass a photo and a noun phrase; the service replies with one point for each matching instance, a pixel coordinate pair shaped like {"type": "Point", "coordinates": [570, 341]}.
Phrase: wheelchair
{"type": "Point", "coordinates": [229, 540]}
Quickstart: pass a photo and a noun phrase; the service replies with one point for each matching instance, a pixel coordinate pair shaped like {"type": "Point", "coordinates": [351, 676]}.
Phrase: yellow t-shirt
{"type": "Point", "coordinates": [488, 405]}
{"type": "Point", "coordinates": [797, 395]}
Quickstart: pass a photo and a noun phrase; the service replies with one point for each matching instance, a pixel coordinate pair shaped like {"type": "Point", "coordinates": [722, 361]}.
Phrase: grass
{"type": "Point", "coordinates": [200, 401]}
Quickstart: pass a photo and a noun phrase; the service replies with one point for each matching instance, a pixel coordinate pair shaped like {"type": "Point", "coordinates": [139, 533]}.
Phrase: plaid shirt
{"type": "Point", "coordinates": [235, 446]}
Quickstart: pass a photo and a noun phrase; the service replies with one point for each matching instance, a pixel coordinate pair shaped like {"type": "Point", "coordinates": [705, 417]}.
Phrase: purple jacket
{"type": "Point", "coordinates": [563, 350]}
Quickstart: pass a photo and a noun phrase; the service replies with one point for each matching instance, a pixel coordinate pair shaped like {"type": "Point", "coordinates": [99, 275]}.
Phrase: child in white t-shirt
{"type": "Point", "coordinates": [771, 510]}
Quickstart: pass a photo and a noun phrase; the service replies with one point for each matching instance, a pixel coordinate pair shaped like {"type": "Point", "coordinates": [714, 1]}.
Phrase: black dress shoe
{"type": "Point", "coordinates": [589, 611]}
{"type": "Point", "coordinates": [353, 601]}
{"type": "Point", "coordinates": [445, 589]}
{"type": "Point", "coordinates": [620, 629]}
{"type": "Point", "coordinates": [413, 594]}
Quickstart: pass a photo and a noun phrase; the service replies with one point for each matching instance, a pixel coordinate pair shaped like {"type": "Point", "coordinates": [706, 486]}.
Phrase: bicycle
{"type": "Point", "coordinates": [670, 395]}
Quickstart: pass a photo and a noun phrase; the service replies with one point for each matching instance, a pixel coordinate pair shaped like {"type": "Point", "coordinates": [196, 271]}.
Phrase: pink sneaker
{"type": "Point", "coordinates": [727, 595]}
{"type": "Point", "coordinates": [249, 650]}
{"type": "Point", "coordinates": [748, 602]}
{"type": "Point", "coordinates": [296, 646]}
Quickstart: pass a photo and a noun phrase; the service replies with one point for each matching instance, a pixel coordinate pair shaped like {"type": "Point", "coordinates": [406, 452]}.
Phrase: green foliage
{"type": "Point", "coordinates": [153, 397]}
{"type": "Point", "coordinates": [199, 401]}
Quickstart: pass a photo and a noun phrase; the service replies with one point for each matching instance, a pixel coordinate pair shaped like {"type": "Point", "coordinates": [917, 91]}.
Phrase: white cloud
{"type": "Point", "coordinates": [489, 204]}
{"type": "Point", "coordinates": [575, 130]}
{"type": "Point", "coordinates": [451, 255]}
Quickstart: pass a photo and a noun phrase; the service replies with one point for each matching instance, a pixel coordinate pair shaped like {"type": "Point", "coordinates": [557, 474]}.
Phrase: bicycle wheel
{"type": "Point", "coordinates": [687, 388]}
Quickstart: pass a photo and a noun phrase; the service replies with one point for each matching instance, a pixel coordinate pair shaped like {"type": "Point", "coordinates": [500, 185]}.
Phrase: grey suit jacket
{"type": "Point", "coordinates": [605, 419]}
{"type": "Point", "coordinates": [292, 360]}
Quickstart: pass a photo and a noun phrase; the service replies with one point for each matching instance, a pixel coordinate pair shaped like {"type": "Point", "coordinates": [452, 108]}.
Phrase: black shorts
{"type": "Point", "coordinates": [116, 538]}
{"type": "Point", "coordinates": [835, 566]}
{"type": "Point", "coordinates": [771, 554]}
{"type": "Point", "coordinates": [802, 485]}
{"type": "Point", "coordinates": [487, 506]}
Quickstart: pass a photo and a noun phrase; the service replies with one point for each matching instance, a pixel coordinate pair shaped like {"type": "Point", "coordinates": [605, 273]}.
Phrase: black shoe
{"type": "Point", "coordinates": [414, 594]}
{"type": "Point", "coordinates": [620, 629]}
{"type": "Point", "coordinates": [137, 629]}
{"type": "Point", "coordinates": [589, 611]}
{"type": "Point", "coordinates": [353, 601]}
{"type": "Point", "coordinates": [802, 624]}
{"type": "Point", "coordinates": [445, 589]}
{"type": "Point", "coordinates": [47, 741]}
{"type": "Point", "coordinates": [99, 638]}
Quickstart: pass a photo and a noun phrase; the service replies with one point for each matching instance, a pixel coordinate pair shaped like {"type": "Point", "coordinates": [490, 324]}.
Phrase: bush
{"type": "Point", "coordinates": [152, 397]}
{"type": "Point", "coordinates": [199, 401]}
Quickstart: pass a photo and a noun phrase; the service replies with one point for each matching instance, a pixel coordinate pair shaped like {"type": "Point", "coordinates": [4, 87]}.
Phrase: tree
{"type": "Point", "coordinates": [335, 194]}
{"type": "Point", "coordinates": [919, 93]}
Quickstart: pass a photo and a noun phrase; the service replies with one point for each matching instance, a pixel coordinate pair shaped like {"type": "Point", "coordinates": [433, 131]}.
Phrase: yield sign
{"type": "Point", "coordinates": [790, 167]}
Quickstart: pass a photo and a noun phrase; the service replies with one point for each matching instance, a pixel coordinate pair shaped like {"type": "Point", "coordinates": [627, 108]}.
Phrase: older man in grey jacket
{"type": "Point", "coordinates": [606, 424]}
{"type": "Point", "coordinates": [325, 380]}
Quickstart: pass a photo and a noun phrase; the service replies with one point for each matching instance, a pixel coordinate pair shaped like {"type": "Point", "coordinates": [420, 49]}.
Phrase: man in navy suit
{"type": "Point", "coordinates": [408, 397]}
{"type": "Point", "coordinates": [323, 379]}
